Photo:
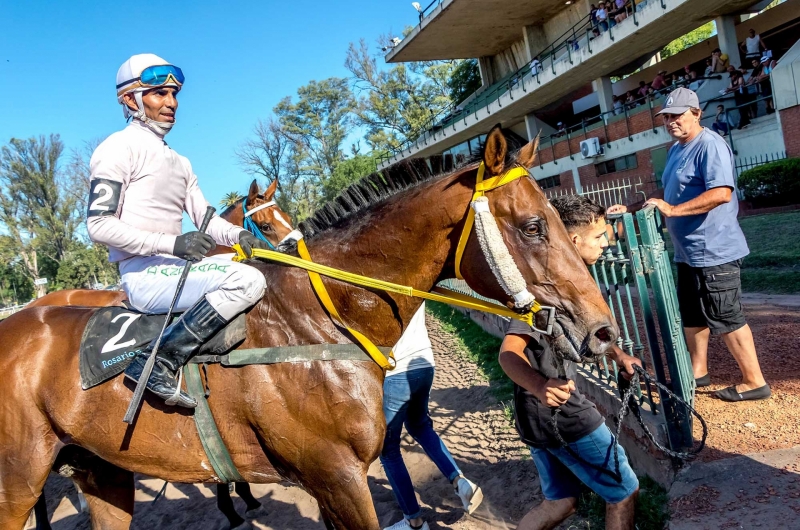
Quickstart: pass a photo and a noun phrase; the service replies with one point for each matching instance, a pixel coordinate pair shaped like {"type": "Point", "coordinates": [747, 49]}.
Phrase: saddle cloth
{"type": "Point", "coordinates": [114, 333]}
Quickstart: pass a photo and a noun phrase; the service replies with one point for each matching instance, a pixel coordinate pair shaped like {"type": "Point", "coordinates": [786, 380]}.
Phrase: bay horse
{"type": "Point", "coordinates": [318, 424]}
{"type": "Point", "coordinates": [274, 224]}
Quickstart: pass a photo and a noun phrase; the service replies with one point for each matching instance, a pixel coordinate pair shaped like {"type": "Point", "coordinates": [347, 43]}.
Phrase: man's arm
{"type": "Point", "coordinates": [635, 207]}
{"type": "Point", "coordinates": [703, 203]}
{"type": "Point", "coordinates": [552, 392]}
{"type": "Point", "coordinates": [223, 232]}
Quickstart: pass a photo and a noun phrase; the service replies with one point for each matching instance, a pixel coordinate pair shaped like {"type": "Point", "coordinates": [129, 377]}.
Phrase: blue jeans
{"type": "Point", "coordinates": [560, 474]}
{"type": "Point", "coordinates": [405, 401]}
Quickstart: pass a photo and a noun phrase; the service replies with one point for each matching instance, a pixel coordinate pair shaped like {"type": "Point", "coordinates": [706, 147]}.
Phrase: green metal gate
{"type": "Point", "coordinates": [637, 266]}
{"type": "Point", "coordinates": [636, 276]}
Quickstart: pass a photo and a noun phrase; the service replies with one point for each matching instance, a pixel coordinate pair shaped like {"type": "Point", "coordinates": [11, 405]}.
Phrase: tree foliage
{"type": "Point", "coordinates": [41, 207]}
{"type": "Point", "coordinates": [395, 104]}
{"type": "Point", "coordinates": [464, 81]}
{"type": "Point", "coordinates": [347, 172]}
{"type": "Point", "coordinates": [687, 41]}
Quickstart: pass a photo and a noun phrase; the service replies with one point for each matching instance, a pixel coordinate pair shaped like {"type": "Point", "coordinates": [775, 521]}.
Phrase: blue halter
{"type": "Point", "coordinates": [252, 227]}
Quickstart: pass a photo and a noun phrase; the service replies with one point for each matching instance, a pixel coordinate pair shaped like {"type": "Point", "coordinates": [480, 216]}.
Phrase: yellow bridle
{"type": "Point", "coordinates": [438, 294]}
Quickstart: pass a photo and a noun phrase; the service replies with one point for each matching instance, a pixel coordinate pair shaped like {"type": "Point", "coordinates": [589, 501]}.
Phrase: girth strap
{"type": "Point", "coordinates": [213, 445]}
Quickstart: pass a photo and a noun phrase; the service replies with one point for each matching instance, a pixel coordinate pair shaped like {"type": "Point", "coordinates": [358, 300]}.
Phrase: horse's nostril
{"type": "Point", "coordinates": [605, 334]}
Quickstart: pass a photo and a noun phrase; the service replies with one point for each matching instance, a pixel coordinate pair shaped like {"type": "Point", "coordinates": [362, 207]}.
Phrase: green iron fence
{"type": "Point", "coordinates": [635, 275]}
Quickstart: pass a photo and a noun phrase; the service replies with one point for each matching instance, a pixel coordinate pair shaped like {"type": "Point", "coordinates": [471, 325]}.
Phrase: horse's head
{"type": "Point", "coordinates": [544, 254]}
{"type": "Point", "coordinates": [270, 220]}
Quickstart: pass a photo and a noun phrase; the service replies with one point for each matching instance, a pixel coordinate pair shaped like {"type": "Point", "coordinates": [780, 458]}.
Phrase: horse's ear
{"type": "Point", "coordinates": [252, 195]}
{"type": "Point", "coordinates": [527, 155]}
{"type": "Point", "coordinates": [494, 152]}
{"type": "Point", "coordinates": [271, 189]}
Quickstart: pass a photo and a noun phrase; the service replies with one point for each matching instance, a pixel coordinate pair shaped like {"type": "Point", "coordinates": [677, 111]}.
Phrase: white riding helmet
{"type": "Point", "coordinates": [141, 73]}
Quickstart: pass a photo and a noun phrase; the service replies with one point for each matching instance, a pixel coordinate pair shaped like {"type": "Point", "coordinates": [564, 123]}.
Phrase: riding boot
{"type": "Point", "coordinates": [181, 340]}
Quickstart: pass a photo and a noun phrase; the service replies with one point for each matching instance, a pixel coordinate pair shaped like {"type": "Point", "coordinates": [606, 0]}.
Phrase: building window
{"type": "Point", "coordinates": [617, 164]}
{"type": "Point", "coordinates": [550, 182]}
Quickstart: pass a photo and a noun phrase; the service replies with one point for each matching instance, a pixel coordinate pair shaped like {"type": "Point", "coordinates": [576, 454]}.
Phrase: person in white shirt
{"type": "Point", "coordinates": [406, 390]}
{"type": "Point", "coordinates": [753, 45]}
{"type": "Point", "coordinates": [139, 189]}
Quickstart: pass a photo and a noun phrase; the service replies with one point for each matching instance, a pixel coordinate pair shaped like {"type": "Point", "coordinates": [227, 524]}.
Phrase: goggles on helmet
{"type": "Point", "coordinates": [159, 75]}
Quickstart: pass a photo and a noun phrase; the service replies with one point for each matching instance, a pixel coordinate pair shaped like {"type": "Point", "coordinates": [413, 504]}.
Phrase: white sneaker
{"type": "Point", "coordinates": [403, 524]}
{"type": "Point", "coordinates": [470, 494]}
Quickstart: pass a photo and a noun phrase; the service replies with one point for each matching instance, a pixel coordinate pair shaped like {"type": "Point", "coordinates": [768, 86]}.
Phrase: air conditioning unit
{"type": "Point", "coordinates": [591, 148]}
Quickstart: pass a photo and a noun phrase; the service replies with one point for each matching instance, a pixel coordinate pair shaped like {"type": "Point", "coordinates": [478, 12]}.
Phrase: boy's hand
{"type": "Point", "coordinates": [626, 362]}
{"type": "Point", "coordinates": [555, 392]}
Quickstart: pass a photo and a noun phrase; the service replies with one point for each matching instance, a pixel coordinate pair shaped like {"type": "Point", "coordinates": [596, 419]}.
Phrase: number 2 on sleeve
{"type": "Point", "coordinates": [104, 197]}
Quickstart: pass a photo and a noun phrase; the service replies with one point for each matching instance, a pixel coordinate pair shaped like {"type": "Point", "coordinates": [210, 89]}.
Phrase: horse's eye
{"type": "Point", "coordinates": [266, 227]}
{"type": "Point", "coordinates": [533, 228]}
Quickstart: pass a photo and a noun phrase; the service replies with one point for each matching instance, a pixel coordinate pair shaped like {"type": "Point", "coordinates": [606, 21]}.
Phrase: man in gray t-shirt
{"type": "Point", "coordinates": [700, 207]}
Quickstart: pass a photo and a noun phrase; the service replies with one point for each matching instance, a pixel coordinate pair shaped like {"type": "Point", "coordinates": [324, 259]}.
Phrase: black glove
{"type": "Point", "coordinates": [248, 242]}
{"type": "Point", "coordinates": [193, 246]}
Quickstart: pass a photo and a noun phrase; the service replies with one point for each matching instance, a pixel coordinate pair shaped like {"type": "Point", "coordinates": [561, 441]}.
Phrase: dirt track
{"type": "Point", "coordinates": [470, 421]}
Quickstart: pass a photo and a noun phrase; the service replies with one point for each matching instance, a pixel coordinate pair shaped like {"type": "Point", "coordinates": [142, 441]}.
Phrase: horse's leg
{"type": "Point", "coordinates": [42, 519]}
{"type": "Point", "coordinates": [345, 504]}
{"type": "Point", "coordinates": [225, 505]}
{"type": "Point", "coordinates": [109, 492]}
{"type": "Point", "coordinates": [243, 491]}
{"type": "Point", "coordinates": [25, 461]}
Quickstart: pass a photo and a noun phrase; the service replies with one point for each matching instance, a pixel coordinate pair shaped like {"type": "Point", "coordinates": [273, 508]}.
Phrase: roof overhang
{"type": "Point", "coordinates": [464, 29]}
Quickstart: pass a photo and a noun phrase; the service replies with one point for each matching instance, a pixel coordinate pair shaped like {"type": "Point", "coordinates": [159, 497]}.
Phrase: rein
{"type": "Point", "coordinates": [438, 294]}
{"type": "Point", "coordinates": [251, 225]}
{"type": "Point", "coordinates": [628, 403]}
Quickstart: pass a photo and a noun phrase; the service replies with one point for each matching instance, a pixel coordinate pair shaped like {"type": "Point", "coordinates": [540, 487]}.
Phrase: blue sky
{"type": "Point", "coordinates": [58, 62]}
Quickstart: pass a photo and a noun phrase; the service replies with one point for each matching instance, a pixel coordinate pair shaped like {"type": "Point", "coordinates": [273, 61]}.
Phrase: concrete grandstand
{"type": "Point", "coordinates": [548, 61]}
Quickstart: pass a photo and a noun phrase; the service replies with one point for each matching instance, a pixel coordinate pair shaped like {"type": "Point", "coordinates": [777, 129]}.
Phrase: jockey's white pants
{"type": "Point", "coordinates": [230, 287]}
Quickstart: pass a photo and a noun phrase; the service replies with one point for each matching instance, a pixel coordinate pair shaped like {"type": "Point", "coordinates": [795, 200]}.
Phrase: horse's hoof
{"type": "Point", "coordinates": [234, 523]}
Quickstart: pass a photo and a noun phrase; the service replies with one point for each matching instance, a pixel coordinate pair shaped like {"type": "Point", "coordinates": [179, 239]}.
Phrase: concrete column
{"type": "Point", "coordinates": [605, 93]}
{"type": "Point", "coordinates": [535, 41]}
{"type": "Point", "coordinates": [532, 126]}
{"type": "Point", "coordinates": [576, 180]}
{"type": "Point", "coordinates": [726, 32]}
{"type": "Point", "coordinates": [485, 66]}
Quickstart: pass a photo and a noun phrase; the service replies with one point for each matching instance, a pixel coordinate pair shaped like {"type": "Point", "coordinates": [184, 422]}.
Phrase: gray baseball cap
{"type": "Point", "coordinates": [679, 101]}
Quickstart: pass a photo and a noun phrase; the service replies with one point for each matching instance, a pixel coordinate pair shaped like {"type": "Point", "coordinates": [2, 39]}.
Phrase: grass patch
{"type": "Point", "coordinates": [651, 507]}
{"type": "Point", "coordinates": [479, 347]}
{"type": "Point", "coordinates": [773, 265]}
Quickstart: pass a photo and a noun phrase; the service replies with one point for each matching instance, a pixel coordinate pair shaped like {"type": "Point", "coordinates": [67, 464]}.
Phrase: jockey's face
{"type": "Point", "coordinates": [160, 104]}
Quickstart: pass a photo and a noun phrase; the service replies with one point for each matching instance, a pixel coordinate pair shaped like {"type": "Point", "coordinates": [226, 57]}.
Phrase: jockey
{"type": "Point", "coordinates": [139, 189]}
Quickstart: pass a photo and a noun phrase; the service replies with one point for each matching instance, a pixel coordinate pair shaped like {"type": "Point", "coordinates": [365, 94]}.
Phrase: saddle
{"type": "Point", "coordinates": [114, 333]}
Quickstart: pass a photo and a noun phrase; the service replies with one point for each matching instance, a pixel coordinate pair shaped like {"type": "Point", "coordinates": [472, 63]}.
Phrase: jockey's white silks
{"type": "Point", "coordinates": [498, 257]}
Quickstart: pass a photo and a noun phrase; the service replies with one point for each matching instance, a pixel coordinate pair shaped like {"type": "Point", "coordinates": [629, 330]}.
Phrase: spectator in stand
{"type": "Point", "coordinates": [593, 15]}
{"type": "Point", "coordinates": [617, 104]}
{"type": "Point", "coordinates": [536, 65]}
{"type": "Point", "coordinates": [673, 81]}
{"type": "Point", "coordinates": [658, 82]}
{"type": "Point", "coordinates": [709, 69]}
{"type": "Point", "coordinates": [630, 100]}
{"type": "Point", "coordinates": [651, 94]}
{"type": "Point", "coordinates": [753, 45]}
{"type": "Point", "coordinates": [642, 92]}
{"type": "Point", "coordinates": [595, 33]}
{"type": "Point", "coordinates": [720, 125]}
{"type": "Point", "coordinates": [767, 64]}
{"type": "Point", "coordinates": [620, 13]}
{"type": "Point", "coordinates": [688, 73]}
{"type": "Point", "coordinates": [602, 16]}
{"type": "Point", "coordinates": [719, 61]}
{"type": "Point", "coordinates": [562, 129]}
{"type": "Point", "coordinates": [737, 88]}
